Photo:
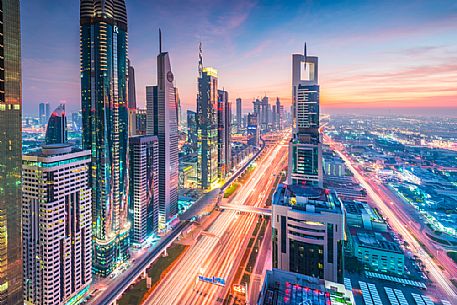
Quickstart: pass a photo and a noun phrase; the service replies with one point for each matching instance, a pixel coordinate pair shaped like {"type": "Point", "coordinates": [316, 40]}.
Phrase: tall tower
{"type": "Point", "coordinates": [238, 113]}
{"type": "Point", "coordinates": [103, 28]}
{"type": "Point", "coordinates": [207, 164]}
{"type": "Point", "coordinates": [131, 100]}
{"type": "Point", "coordinates": [10, 154]}
{"type": "Point", "coordinates": [57, 224]}
{"type": "Point", "coordinates": [163, 122]}
{"type": "Point", "coordinates": [305, 148]}
{"type": "Point", "coordinates": [56, 133]}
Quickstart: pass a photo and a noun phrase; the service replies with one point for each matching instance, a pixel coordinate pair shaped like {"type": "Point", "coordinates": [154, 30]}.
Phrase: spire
{"type": "Point", "coordinates": [160, 41]}
{"type": "Point", "coordinates": [200, 60]}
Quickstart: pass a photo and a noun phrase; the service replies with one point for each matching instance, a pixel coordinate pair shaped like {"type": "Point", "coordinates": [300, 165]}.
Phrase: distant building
{"type": "Point", "coordinates": [253, 129]}
{"type": "Point", "coordinates": [207, 101]}
{"type": "Point", "coordinates": [192, 137]}
{"type": "Point", "coordinates": [76, 120]}
{"type": "Point", "coordinates": [57, 225]}
{"type": "Point", "coordinates": [305, 148]}
{"type": "Point", "coordinates": [132, 87]}
{"type": "Point", "coordinates": [224, 128]}
{"type": "Point", "coordinates": [308, 231]}
{"type": "Point", "coordinates": [239, 111]}
{"type": "Point", "coordinates": [334, 166]}
{"type": "Point", "coordinates": [144, 187]}
{"type": "Point", "coordinates": [44, 112]}
{"type": "Point", "coordinates": [282, 287]}
{"type": "Point", "coordinates": [162, 121]}
{"type": "Point", "coordinates": [57, 131]}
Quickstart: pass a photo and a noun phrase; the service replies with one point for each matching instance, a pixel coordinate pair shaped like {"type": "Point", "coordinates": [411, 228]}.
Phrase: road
{"type": "Point", "coordinates": [401, 224]}
{"type": "Point", "coordinates": [218, 253]}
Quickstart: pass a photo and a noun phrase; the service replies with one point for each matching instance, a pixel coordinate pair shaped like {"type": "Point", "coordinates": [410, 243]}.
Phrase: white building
{"type": "Point", "coordinates": [56, 216]}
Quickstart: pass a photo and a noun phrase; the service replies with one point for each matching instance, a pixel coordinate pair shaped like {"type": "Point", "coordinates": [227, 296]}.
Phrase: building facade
{"type": "Point", "coordinates": [239, 111]}
{"type": "Point", "coordinates": [162, 121]}
{"type": "Point", "coordinates": [308, 232]}
{"type": "Point", "coordinates": [253, 129]}
{"type": "Point", "coordinates": [305, 148]}
{"type": "Point", "coordinates": [207, 124]}
{"type": "Point", "coordinates": [57, 223]}
{"type": "Point", "coordinates": [192, 129]}
{"type": "Point", "coordinates": [10, 154]}
{"type": "Point", "coordinates": [104, 71]}
{"type": "Point", "coordinates": [224, 127]}
{"type": "Point", "coordinates": [57, 131]}
{"type": "Point", "coordinates": [144, 187]}
{"type": "Point", "coordinates": [44, 112]}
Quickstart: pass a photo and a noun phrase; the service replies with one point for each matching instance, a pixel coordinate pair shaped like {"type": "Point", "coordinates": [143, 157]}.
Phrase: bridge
{"type": "Point", "coordinates": [246, 209]}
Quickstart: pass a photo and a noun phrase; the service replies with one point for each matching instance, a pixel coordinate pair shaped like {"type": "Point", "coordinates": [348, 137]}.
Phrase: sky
{"type": "Point", "coordinates": [379, 55]}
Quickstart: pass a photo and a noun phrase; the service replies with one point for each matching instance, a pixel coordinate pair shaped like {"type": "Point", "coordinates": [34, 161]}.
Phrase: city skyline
{"type": "Point", "coordinates": [409, 64]}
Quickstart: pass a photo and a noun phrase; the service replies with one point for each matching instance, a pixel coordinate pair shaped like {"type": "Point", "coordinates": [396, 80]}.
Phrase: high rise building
{"type": "Point", "coordinates": [76, 120]}
{"type": "Point", "coordinates": [57, 221]}
{"type": "Point", "coordinates": [144, 187]}
{"type": "Point", "coordinates": [224, 127]}
{"type": "Point", "coordinates": [131, 100]}
{"type": "Point", "coordinates": [104, 71]}
{"type": "Point", "coordinates": [192, 129]}
{"type": "Point", "coordinates": [239, 111]}
{"type": "Point", "coordinates": [207, 99]}
{"type": "Point", "coordinates": [308, 222]}
{"type": "Point", "coordinates": [141, 121]}
{"type": "Point", "coordinates": [162, 121]}
{"type": "Point", "coordinates": [44, 113]}
{"type": "Point", "coordinates": [278, 115]}
{"type": "Point", "coordinates": [10, 154]}
{"type": "Point", "coordinates": [308, 231]}
{"type": "Point", "coordinates": [57, 131]}
{"type": "Point", "coordinates": [305, 148]}
{"type": "Point", "coordinates": [253, 129]}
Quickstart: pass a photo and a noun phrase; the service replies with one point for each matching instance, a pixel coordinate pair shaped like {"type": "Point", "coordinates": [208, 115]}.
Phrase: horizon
{"type": "Point", "coordinates": [408, 66]}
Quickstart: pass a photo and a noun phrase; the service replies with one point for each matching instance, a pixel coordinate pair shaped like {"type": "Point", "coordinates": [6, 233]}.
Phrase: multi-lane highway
{"type": "Point", "coordinates": [219, 252]}
{"type": "Point", "coordinates": [400, 222]}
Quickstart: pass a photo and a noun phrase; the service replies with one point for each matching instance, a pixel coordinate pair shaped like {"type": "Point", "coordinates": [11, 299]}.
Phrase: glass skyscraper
{"type": "Point", "coordinates": [57, 132]}
{"type": "Point", "coordinates": [104, 68]}
{"type": "Point", "coordinates": [305, 148]}
{"type": "Point", "coordinates": [10, 154]}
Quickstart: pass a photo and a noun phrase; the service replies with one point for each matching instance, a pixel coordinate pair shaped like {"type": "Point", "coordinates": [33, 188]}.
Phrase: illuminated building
{"type": "Point", "coordinates": [308, 231]}
{"type": "Point", "coordinates": [132, 100]}
{"type": "Point", "coordinates": [224, 127]}
{"type": "Point", "coordinates": [207, 124]}
{"type": "Point", "coordinates": [305, 148]}
{"type": "Point", "coordinates": [144, 187]}
{"type": "Point", "coordinates": [253, 129]}
{"type": "Point", "coordinates": [162, 121]}
{"type": "Point", "coordinates": [57, 221]}
{"type": "Point", "coordinates": [103, 30]}
{"type": "Point", "coordinates": [192, 129]}
{"type": "Point", "coordinates": [141, 121]}
{"type": "Point", "coordinates": [57, 132]}
{"type": "Point", "coordinates": [10, 154]}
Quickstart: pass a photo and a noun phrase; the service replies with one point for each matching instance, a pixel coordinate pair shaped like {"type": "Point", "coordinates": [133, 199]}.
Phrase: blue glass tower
{"type": "Point", "coordinates": [104, 68]}
{"type": "Point", "coordinates": [56, 133]}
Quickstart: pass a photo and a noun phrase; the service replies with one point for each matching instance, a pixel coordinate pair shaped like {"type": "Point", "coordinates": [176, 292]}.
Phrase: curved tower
{"type": "Point", "coordinates": [104, 69]}
{"type": "Point", "coordinates": [56, 133]}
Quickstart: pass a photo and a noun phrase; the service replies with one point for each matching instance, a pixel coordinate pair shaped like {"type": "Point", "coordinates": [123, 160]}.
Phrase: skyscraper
{"type": "Point", "coordinates": [44, 113]}
{"type": "Point", "coordinates": [308, 222]}
{"type": "Point", "coordinates": [57, 225]}
{"type": "Point", "coordinates": [228, 133]}
{"type": "Point", "coordinates": [239, 111]}
{"type": "Point", "coordinates": [305, 148]}
{"type": "Point", "coordinates": [192, 129]}
{"type": "Point", "coordinates": [162, 121]}
{"type": "Point", "coordinates": [253, 129]}
{"type": "Point", "coordinates": [207, 168]}
{"type": "Point", "coordinates": [223, 134]}
{"type": "Point", "coordinates": [10, 154]}
{"type": "Point", "coordinates": [56, 132]}
{"type": "Point", "coordinates": [144, 187]}
{"type": "Point", "coordinates": [103, 28]}
{"type": "Point", "coordinates": [132, 100]}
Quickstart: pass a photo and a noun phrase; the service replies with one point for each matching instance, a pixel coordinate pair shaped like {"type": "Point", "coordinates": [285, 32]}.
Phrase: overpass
{"type": "Point", "coordinates": [246, 209]}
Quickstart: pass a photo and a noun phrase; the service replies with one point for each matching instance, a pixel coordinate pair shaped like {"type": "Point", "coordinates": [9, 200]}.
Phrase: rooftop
{"type": "Point", "coordinates": [375, 240]}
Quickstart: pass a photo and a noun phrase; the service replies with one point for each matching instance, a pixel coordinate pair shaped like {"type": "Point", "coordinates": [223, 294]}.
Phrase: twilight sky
{"type": "Point", "coordinates": [372, 54]}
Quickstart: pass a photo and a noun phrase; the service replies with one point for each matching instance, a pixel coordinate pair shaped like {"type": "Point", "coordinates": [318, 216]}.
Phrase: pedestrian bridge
{"type": "Point", "coordinates": [246, 209]}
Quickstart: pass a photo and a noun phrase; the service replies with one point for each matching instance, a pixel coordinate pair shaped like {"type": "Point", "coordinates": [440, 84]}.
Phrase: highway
{"type": "Point", "coordinates": [219, 252]}
{"type": "Point", "coordinates": [401, 224]}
